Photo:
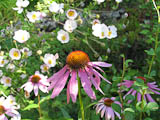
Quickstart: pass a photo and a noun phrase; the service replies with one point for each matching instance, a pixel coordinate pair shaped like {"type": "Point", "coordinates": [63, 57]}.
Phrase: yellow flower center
{"type": "Point", "coordinates": [8, 81]}
{"type": "Point", "coordinates": [71, 13]}
{"type": "Point", "coordinates": [2, 62]}
{"type": "Point", "coordinates": [15, 54]}
{"type": "Point", "coordinates": [102, 34]}
{"type": "Point", "coordinates": [45, 68]}
{"type": "Point", "coordinates": [108, 102]}
{"type": "Point", "coordinates": [77, 59]}
{"type": "Point", "coordinates": [23, 37]}
{"type": "Point", "coordinates": [34, 16]}
{"type": "Point", "coordinates": [109, 33]}
{"type": "Point", "coordinates": [35, 79]}
{"type": "Point", "coordinates": [50, 61]}
{"type": "Point", "coordinates": [63, 37]}
{"type": "Point", "coordinates": [2, 110]}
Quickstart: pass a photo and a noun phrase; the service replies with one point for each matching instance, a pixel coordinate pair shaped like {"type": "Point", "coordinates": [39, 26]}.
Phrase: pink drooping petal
{"type": "Point", "coordinates": [36, 90]}
{"type": "Point", "coordinates": [138, 97]}
{"type": "Point", "coordinates": [127, 83]}
{"type": "Point", "coordinates": [154, 91]}
{"type": "Point", "coordinates": [133, 93]}
{"type": "Point", "coordinates": [103, 111]}
{"type": "Point", "coordinates": [94, 80]}
{"type": "Point", "coordinates": [102, 64]}
{"type": "Point", "coordinates": [43, 88]}
{"type": "Point", "coordinates": [73, 89]}
{"type": "Point", "coordinates": [58, 74]}
{"type": "Point", "coordinates": [86, 84]}
{"type": "Point", "coordinates": [106, 114]}
{"type": "Point", "coordinates": [56, 77]}
{"type": "Point", "coordinates": [153, 87]}
{"type": "Point", "coordinates": [60, 85]}
{"type": "Point", "coordinates": [68, 93]}
{"type": "Point", "coordinates": [95, 66]}
{"type": "Point", "coordinates": [117, 102]}
{"type": "Point", "coordinates": [28, 87]}
{"type": "Point", "coordinates": [117, 114]}
{"type": "Point", "coordinates": [99, 108]}
{"type": "Point", "coordinates": [98, 74]}
{"type": "Point", "coordinates": [150, 99]}
{"type": "Point", "coordinates": [127, 93]}
{"type": "Point", "coordinates": [110, 111]}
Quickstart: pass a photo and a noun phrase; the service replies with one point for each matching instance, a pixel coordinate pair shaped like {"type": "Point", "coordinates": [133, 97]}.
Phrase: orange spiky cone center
{"type": "Point", "coordinates": [108, 102]}
{"type": "Point", "coordinates": [2, 110]}
{"type": "Point", "coordinates": [77, 59]}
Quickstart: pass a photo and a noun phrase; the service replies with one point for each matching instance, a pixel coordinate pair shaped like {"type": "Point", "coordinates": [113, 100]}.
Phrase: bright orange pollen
{"type": "Point", "coordinates": [2, 110]}
{"type": "Point", "coordinates": [108, 102]}
{"type": "Point", "coordinates": [77, 59]}
{"type": "Point", "coordinates": [35, 78]}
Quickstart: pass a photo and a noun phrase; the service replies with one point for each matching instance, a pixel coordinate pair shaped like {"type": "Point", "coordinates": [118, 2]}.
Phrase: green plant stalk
{"type": "Point", "coordinates": [80, 98]}
{"type": "Point", "coordinates": [39, 108]}
{"type": "Point", "coordinates": [120, 95]}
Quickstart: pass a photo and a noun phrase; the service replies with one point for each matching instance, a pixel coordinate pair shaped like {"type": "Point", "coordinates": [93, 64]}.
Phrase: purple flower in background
{"type": "Point", "coordinates": [104, 106]}
{"type": "Point", "coordinates": [78, 64]}
{"type": "Point", "coordinates": [152, 87]}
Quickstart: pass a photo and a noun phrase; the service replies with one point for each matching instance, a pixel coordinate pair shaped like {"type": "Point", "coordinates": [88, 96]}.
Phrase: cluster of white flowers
{"type": "Point", "coordinates": [9, 107]}
{"type": "Point", "coordinates": [20, 5]}
{"type": "Point", "coordinates": [56, 8]}
{"type": "Point", "coordinates": [102, 31]}
{"type": "Point", "coordinates": [35, 16]}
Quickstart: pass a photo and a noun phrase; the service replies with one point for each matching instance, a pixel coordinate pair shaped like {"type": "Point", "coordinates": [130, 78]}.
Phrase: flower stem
{"type": "Point", "coordinates": [80, 97]}
{"type": "Point", "coordinates": [39, 108]}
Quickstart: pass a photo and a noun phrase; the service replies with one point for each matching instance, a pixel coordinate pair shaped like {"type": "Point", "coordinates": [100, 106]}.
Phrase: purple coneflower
{"type": "Point", "coordinates": [152, 87]}
{"type": "Point", "coordinates": [78, 65]}
{"type": "Point", "coordinates": [35, 82]}
{"type": "Point", "coordinates": [104, 106]}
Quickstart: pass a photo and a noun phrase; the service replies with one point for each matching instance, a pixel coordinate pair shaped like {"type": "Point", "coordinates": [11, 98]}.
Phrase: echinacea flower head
{"type": "Point", "coordinates": [50, 59]}
{"type": "Point", "coordinates": [33, 16]}
{"type": "Point", "coordinates": [70, 25]}
{"type": "Point", "coordinates": [78, 65]}
{"type": "Point", "coordinates": [104, 107]}
{"type": "Point", "coordinates": [36, 82]}
{"type": "Point", "coordinates": [21, 36]}
{"type": "Point", "coordinates": [63, 36]}
{"type": "Point", "coordinates": [15, 54]}
{"type": "Point", "coordinates": [100, 30]}
{"type": "Point", "coordinates": [71, 14]}
{"type": "Point", "coordinates": [44, 68]}
{"type": "Point", "coordinates": [55, 7]}
{"type": "Point", "coordinates": [3, 61]}
{"type": "Point", "coordinates": [152, 87]}
{"type": "Point", "coordinates": [6, 81]}
{"type": "Point", "coordinates": [112, 33]}
{"type": "Point", "coordinates": [7, 109]}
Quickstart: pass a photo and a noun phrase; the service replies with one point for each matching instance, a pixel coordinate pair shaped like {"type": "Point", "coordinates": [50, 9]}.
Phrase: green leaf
{"type": "Point", "coordinates": [129, 110]}
{"type": "Point", "coordinates": [147, 118]}
{"type": "Point", "coordinates": [129, 115]}
{"type": "Point", "coordinates": [31, 106]}
{"type": "Point", "coordinates": [152, 106]}
{"type": "Point", "coordinates": [145, 31]}
{"type": "Point", "coordinates": [129, 97]}
{"type": "Point", "coordinates": [65, 113]}
{"type": "Point", "coordinates": [150, 52]}
{"type": "Point", "coordinates": [116, 107]}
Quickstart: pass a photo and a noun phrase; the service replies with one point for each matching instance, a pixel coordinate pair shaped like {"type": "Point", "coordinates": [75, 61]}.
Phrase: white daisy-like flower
{"type": "Point", "coordinates": [23, 76]}
{"type": "Point", "coordinates": [11, 67]}
{"type": "Point", "coordinates": [100, 30]}
{"type": "Point", "coordinates": [1, 73]}
{"type": "Point", "coordinates": [44, 68]}
{"type": "Point", "coordinates": [26, 51]}
{"type": "Point", "coordinates": [55, 7]}
{"type": "Point", "coordinates": [15, 54]}
{"type": "Point", "coordinates": [94, 22]}
{"type": "Point", "coordinates": [71, 14]}
{"type": "Point", "coordinates": [3, 61]}
{"type": "Point", "coordinates": [99, 1]}
{"type": "Point", "coordinates": [33, 16]}
{"type": "Point", "coordinates": [50, 59]}
{"type": "Point", "coordinates": [20, 5]}
{"type": "Point", "coordinates": [118, 1]}
{"type": "Point", "coordinates": [11, 100]}
{"type": "Point", "coordinates": [70, 25]}
{"type": "Point", "coordinates": [6, 81]}
{"type": "Point", "coordinates": [21, 36]}
{"type": "Point", "coordinates": [63, 36]}
{"type": "Point", "coordinates": [112, 33]}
